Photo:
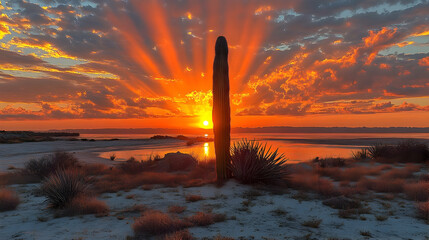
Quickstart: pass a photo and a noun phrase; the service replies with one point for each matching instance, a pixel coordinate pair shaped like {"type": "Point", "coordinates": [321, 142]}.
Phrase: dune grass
{"type": "Point", "coordinates": [9, 200]}
{"type": "Point", "coordinates": [49, 164]}
{"type": "Point", "coordinates": [63, 186]}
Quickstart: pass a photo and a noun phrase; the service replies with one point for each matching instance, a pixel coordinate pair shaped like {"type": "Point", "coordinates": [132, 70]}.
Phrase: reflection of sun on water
{"type": "Point", "coordinates": [206, 149]}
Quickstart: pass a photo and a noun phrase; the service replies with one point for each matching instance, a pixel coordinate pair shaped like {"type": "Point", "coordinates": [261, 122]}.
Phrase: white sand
{"type": "Point", "coordinates": [17, 154]}
{"type": "Point", "coordinates": [258, 222]}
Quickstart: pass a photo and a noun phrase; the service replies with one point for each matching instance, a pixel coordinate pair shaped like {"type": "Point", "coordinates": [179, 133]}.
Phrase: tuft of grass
{"type": "Point", "coordinates": [112, 157]}
{"type": "Point", "coordinates": [83, 205]}
{"type": "Point", "coordinates": [193, 198]}
{"type": "Point", "coordinates": [62, 186]}
{"type": "Point", "coordinates": [381, 218]}
{"type": "Point", "coordinates": [9, 200]}
{"type": "Point", "coordinates": [313, 223]}
{"type": "Point", "coordinates": [253, 162]}
{"type": "Point", "coordinates": [176, 209]}
{"type": "Point", "coordinates": [132, 166]}
{"type": "Point", "coordinates": [342, 203]}
{"type": "Point", "coordinates": [279, 212]}
{"type": "Point", "coordinates": [330, 162]}
{"type": "Point", "coordinates": [423, 210]}
{"type": "Point", "coordinates": [205, 219]}
{"type": "Point", "coordinates": [361, 154]}
{"type": "Point", "coordinates": [49, 164]}
{"type": "Point", "coordinates": [365, 233]}
{"type": "Point", "coordinates": [179, 235]}
{"type": "Point", "coordinates": [155, 222]}
{"type": "Point", "coordinates": [406, 151]}
{"type": "Point", "coordinates": [418, 191]}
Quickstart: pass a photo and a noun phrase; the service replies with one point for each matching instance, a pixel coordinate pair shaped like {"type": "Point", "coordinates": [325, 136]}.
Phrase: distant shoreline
{"type": "Point", "coordinates": [275, 129]}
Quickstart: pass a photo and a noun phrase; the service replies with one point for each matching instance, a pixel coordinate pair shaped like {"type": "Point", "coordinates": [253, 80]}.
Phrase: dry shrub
{"type": "Point", "coordinates": [423, 210]}
{"type": "Point", "coordinates": [205, 219]}
{"type": "Point", "coordinates": [94, 169]}
{"type": "Point", "coordinates": [407, 151]}
{"type": "Point", "coordinates": [342, 203]}
{"type": "Point", "coordinates": [61, 187]}
{"type": "Point", "coordinates": [17, 177]}
{"type": "Point", "coordinates": [137, 208]}
{"type": "Point", "coordinates": [132, 166]}
{"type": "Point", "coordinates": [405, 172]}
{"type": "Point", "coordinates": [382, 185]}
{"type": "Point", "coordinates": [176, 209]}
{"type": "Point", "coordinates": [116, 180]}
{"type": "Point", "coordinates": [313, 182]}
{"type": "Point", "coordinates": [194, 198]}
{"type": "Point", "coordinates": [353, 173]}
{"type": "Point", "coordinates": [155, 222]}
{"type": "Point", "coordinates": [9, 200]}
{"type": "Point", "coordinates": [82, 205]}
{"type": "Point", "coordinates": [51, 163]}
{"type": "Point", "coordinates": [330, 162]}
{"type": "Point", "coordinates": [352, 190]}
{"type": "Point", "coordinates": [179, 235]}
{"type": "Point", "coordinates": [418, 191]}
{"type": "Point", "coordinates": [313, 223]}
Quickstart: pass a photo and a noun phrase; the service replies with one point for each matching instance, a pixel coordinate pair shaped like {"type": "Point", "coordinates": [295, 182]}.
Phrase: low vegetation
{"type": "Point", "coordinates": [49, 164]}
{"type": "Point", "coordinates": [253, 162]}
{"type": "Point", "coordinates": [9, 200]}
{"type": "Point", "coordinates": [63, 186]}
{"type": "Point", "coordinates": [406, 151]}
{"type": "Point", "coordinates": [83, 205]}
{"type": "Point", "coordinates": [156, 222]}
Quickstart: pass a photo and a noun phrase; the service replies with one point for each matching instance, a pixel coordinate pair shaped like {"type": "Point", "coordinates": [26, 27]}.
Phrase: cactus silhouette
{"type": "Point", "coordinates": [221, 110]}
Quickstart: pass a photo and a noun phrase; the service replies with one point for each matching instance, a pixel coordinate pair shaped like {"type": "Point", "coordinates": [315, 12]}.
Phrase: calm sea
{"type": "Point", "coordinates": [295, 146]}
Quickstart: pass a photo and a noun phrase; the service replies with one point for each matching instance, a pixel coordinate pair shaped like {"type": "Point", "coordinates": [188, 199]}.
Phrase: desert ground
{"type": "Point", "coordinates": [355, 198]}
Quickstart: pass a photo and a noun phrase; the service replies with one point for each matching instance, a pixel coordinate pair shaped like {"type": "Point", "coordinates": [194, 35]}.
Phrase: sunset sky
{"type": "Point", "coordinates": [133, 64]}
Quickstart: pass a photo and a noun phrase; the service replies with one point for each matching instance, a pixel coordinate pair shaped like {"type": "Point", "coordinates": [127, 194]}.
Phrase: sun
{"type": "Point", "coordinates": [206, 123]}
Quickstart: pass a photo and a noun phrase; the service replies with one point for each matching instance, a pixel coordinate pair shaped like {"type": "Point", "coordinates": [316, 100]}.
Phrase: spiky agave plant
{"type": "Point", "coordinates": [221, 109]}
{"type": "Point", "coordinates": [253, 162]}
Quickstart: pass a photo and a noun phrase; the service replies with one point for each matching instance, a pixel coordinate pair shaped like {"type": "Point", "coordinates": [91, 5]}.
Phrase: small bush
{"type": "Point", "coordinates": [418, 191]}
{"type": "Point", "coordinates": [82, 205]}
{"type": "Point", "coordinates": [48, 164]}
{"type": "Point", "coordinates": [194, 198]}
{"type": "Point", "coordinates": [361, 154]}
{"type": "Point", "coordinates": [382, 185]}
{"type": "Point", "coordinates": [112, 157]}
{"type": "Point", "coordinates": [330, 162]}
{"type": "Point", "coordinates": [17, 177]}
{"type": "Point", "coordinates": [205, 219]}
{"type": "Point", "coordinates": [62, 186]}
{"type": "Point", "coordinates": [342, 203]}
{"type": "Point", "coordinates": [9, 200]}
{"type": "Point", "coordinates": [132, 166]}
{"type": "Point", "coordinates": [155, 222]}
{"type": "Point", "coordinates": [176, 209]}
{"type": "Point", "coordinates": [407, 151]}
{"type": "Point", "coordinates": [314, 223]}
{"type": "Point", "coordinates": [423, 210]}
{"type": "Point", "coordinates": [179, 235]}
{"type": "Point", "coordinates": [252, 162]}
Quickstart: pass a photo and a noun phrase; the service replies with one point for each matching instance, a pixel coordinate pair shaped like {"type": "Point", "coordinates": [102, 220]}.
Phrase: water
{"type": "Point", "coordinates": [295, 146]}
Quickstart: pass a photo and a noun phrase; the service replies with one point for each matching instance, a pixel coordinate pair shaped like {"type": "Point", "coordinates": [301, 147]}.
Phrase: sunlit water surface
{"type": "Point", "coordinates": [289, 144]}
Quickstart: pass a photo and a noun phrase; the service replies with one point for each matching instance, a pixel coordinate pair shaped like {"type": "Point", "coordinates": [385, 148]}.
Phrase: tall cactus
{"type": "Point", "coordinates": [221, 110]}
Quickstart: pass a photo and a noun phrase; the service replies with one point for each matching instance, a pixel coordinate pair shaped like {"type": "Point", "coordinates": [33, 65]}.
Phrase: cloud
{"type": "Point", "coordinates": [141, 59]}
